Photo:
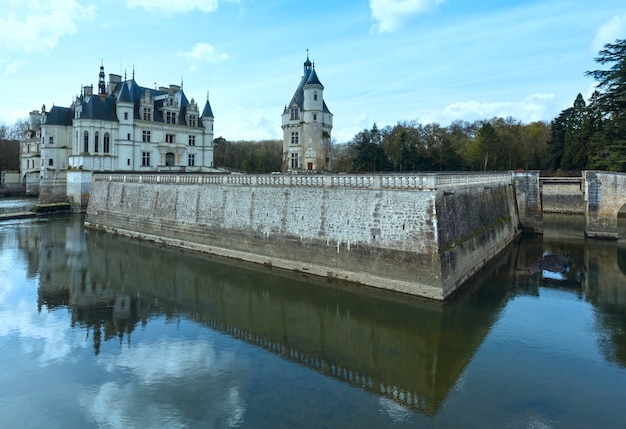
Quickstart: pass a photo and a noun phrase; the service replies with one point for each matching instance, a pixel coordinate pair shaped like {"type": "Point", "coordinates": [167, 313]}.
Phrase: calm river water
{"type": "Point", "coordinates": [102, 331]}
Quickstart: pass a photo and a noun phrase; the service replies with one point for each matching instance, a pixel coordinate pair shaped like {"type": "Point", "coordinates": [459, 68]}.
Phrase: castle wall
{"type": "Point", "coordinates": [417, 234]}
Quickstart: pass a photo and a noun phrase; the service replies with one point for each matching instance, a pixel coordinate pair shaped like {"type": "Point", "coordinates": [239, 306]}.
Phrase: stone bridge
{"type": "Point", "coordinates": [604, 195]}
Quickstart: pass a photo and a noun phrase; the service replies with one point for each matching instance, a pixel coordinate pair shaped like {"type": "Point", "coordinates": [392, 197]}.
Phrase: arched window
{"type": "Point", "coordinates": [107, 143]}
{"type": "Point", "coordinates": [86, 142]}
{"type": "Point", "coordinates": [96, 143]}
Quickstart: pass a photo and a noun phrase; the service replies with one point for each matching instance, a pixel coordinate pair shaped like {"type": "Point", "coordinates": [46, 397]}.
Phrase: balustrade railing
{"type": "Point", "coordinates": [372, 181]}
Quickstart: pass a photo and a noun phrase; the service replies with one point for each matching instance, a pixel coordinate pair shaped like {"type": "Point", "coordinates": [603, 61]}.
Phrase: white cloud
{"type": "Point", "coordinates": [37, 26]}
{"type": "Point", "coordinates": [178, 6]}
{"type": "Point", "coordinates": [10, 67]}
{"type": "Point", "coordinates": [203, 52]}
{"type": "Point", "coordinates": [534, 107]}
{"type": "Point", "coordinates": [391, 14]}
{"type": "Point", "coordinates": [614, 28]}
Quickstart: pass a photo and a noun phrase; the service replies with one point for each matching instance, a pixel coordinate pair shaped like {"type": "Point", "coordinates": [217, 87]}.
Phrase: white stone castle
{"type": "Point", "coordinates": [122, 127]}
{"type": "Point", "coordinates": [125, 127]}
{"type": "Point", "coordinates": [307, 124]}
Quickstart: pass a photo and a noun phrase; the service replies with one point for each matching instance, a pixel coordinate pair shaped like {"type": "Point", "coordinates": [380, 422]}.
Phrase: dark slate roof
{"type": "Point", "coordinates": [298, 96]}
{"type": "Point", "coordinates": [313, 79]}
{"type": "Point", "coordinates": [130, 91]}
{"type": "Point", "coordinates": [207, 112]}
{"type": "Point", "coordinates": [59, 116]}
{"type": "Point", "coordinates": [97, 107]}
{"type": "Point", "coordinates": [309, 78]}
{"type": "Point", "coordinates": [124, 94]}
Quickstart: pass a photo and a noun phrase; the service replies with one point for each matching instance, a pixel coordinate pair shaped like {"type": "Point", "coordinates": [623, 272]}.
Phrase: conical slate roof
{"type": "Point", "coordinates": [207, 112]}
{"type": "Point", "coordinates": [313, 79]}
{"type": "Point", "coordinates": [124, 95]}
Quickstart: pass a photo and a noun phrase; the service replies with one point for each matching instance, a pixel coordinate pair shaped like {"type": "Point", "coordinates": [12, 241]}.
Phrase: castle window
{"type": "Point", "coordinates": [191, 160]}
{"type": "Point", "coordinates": [295, 113]}
{"type": "Point", "coordinates": [315, 116]}
{"type": "Point", "coordinates": [294, 160]}
{"type": "Point", "coordinates": [96, 143]}
{"type": "Point", "coordinates": [86, 142]}
{"type": "Point", "coordinates": [107, 143]}
{"type": "Point", "coordinates": [169, 138]}
{"type": "Point", "coordinates": [315, 95]}
{"type": "Point", "coordinates": [295, 137]}
{"type": "Point", "coordinates": [51, 140]}
{"type": "Point", "coordinates": [170, 117]}
{"type": "Point", "coordinates": [145, 159]}
{"type": "Point", "coordinates": [126, 116]}
{"type": "Point", "coordinates": [128, 136]}
{"type": "Point", "coordinates": [147, 114]}
{"type": "Point", "coordinates": [146, 136]}
{"type": "Point", "coordinates": [192, 140]}
{"type": "Point", "coordinates": [50, 162]}
{"type": "Point", "coordinates": [192, 121]}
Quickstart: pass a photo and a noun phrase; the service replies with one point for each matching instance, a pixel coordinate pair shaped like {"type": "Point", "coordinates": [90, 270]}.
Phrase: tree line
{"type": "Point", "coordinates": [494, 144]}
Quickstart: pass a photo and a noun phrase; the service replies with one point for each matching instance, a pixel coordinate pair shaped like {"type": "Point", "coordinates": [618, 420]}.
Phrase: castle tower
{"type": "Point", "coordinates": [307, 124]}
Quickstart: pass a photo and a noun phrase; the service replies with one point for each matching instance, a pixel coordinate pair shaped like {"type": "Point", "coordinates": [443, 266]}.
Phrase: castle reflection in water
{"type": "Point", "coordinates": [406, 349]}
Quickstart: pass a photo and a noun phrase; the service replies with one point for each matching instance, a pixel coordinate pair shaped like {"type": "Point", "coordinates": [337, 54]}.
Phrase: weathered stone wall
{"type": "Point", "coordinates": [604, 196]}
{"type": "Point", "coordinates": [383, 231]}
{"type": "Point", "coordinates": [78, 189]}
{"type": "Point", "coordinates": [529, 204]}
{"type": "Point", "coordinates": [562, 195]}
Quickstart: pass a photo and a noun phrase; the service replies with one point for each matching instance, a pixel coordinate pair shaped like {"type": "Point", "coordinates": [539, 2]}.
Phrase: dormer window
{"type": "Point", "coordinates": [147, 114]}
{"type": "Point", "coordinates": [170, 117]}
{"type": "Point", "coordinates": [295, 113]}
{"type": "Point", "coordinates": [192, 121]}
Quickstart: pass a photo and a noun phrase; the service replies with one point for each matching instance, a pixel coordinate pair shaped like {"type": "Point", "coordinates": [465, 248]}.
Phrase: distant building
{"type": "Point", "coordinates": [123, 127]}
{"type": "Point", "coordinates": [307, 124]}
{"type": "Point", "coordinates": [30, 154]}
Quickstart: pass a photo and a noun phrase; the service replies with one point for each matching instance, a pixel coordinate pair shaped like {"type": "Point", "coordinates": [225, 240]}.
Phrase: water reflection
{"type": "Point", "coordinates": [409, 352]}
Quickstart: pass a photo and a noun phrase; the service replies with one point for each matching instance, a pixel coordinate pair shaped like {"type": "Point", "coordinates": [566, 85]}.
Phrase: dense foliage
{"type": "Point", "coordinates": [250, 157]}
{"type": "Point", "coordinates": [9, 155]}
{"type": "Point", "coordinates": [495, 144]}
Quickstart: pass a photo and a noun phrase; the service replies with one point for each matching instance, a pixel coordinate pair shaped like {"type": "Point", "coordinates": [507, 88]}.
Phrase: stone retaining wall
{"type": "Point", "coordinates": [417, 234]}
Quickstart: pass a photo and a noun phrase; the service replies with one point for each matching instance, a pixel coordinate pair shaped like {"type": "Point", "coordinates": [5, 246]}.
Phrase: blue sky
{"type": "Point", "coordinates": [381, 61]}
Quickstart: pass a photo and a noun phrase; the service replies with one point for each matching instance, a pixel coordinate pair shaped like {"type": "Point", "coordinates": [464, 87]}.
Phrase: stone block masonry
{"type": "Point", "coordinates": [604, 196]}
{"type": "Point", "coordinates": [418, 234]}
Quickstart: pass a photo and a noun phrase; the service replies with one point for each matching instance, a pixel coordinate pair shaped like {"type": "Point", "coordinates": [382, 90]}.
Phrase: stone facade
{"type": "Point", "coordinates": [307, 124]}
{"type": "Point", "coordinates": [605, 195]}
{"type": "Point", "coordinates": [562, 195]}
{"type": "Point", "coordinates": [122, 127]}
{"type": "Point", "coordinates": [417, 234]}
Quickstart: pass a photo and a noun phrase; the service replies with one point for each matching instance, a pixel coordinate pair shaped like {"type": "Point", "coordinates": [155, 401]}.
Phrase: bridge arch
{"type": "Point", "coordinates": [605, 196]}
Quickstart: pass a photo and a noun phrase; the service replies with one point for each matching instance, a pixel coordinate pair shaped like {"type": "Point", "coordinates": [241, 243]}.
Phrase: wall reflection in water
{"type": "Point", "coordinates": [407, 350]}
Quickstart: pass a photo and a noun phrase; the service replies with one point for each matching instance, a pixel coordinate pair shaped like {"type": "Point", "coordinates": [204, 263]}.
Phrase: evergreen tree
{"type": "Point", "coordinates": [611, 102]}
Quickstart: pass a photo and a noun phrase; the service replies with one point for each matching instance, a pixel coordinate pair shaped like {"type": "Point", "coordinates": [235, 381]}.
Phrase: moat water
{"type": "Point", "coordinates": [102, 331]}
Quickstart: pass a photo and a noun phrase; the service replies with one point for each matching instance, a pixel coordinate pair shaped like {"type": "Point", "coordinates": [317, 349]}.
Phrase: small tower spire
{"type": "Point", "coordinates": [102, 89]}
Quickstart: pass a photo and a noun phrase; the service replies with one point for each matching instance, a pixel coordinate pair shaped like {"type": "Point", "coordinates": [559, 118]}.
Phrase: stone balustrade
{"type": "Point", "coordinates": [429, 181]}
